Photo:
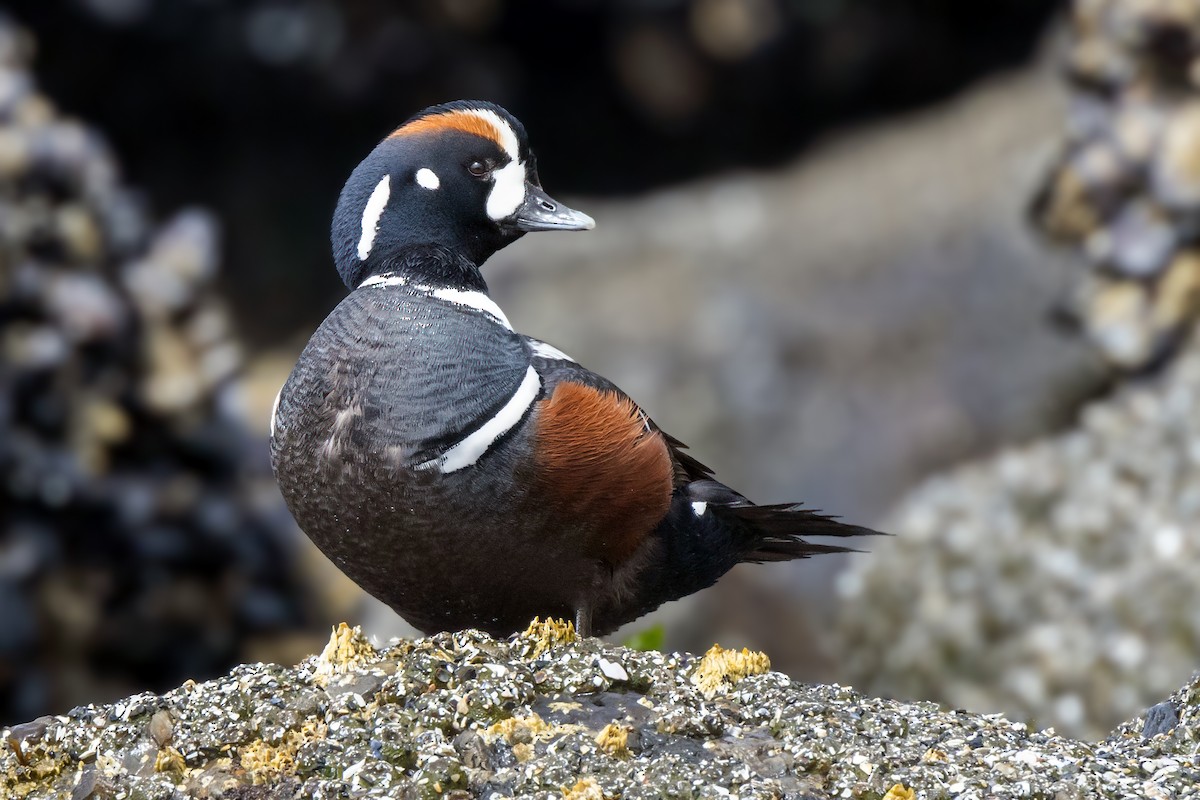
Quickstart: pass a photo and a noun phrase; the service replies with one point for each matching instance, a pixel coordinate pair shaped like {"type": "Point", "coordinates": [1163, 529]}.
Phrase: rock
{"type": "Point", "coordinates": [1053, 581]}
{"type": "Point", "coordinates": [467, 715]}
{"type": "Point", "coordinates": [135, 547]}
{"type": "Point", "coordinates": [1125, 191]}
{"type": "Point", "coordinates": [1160, 719]}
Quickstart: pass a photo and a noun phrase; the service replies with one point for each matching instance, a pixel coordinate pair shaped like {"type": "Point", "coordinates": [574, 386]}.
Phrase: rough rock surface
{"type": "Point", "coordinates": [545, 715]}
{"type": "Point", "coordinates": [1055, 581]}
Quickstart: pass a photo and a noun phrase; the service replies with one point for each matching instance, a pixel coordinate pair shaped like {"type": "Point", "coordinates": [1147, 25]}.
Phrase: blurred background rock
{"type": "Point", "coordinates": [1057, 581]}
{"type": "Point", "coordinates": [141, 542]}
{"type": "Point", "coordinates": [814, 264]}
{"type": "Point", "coordinates": [1126, 190]}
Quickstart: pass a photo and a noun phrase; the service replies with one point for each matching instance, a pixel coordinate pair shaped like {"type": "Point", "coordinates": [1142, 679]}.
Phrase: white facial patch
{"type": "Point", "coordinates": [543, 350]}
{"type": "Point", "coordinates": [470, 449]}
{"type": "Point", "coordinates": [371, 214]}
{"type": "Point", "coordinates": [508, 189]}
{"type": "Point", "coordinates": [699, 507]}
{"type": "Point", "coordinates": [427, 179]}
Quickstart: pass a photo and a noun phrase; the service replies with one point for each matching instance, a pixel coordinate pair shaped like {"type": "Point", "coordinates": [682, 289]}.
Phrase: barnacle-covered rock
{"type": "Point", "coordinates": [140, 543]}
{"type": "Point", "coordinates": [272, 731]}
{"type": "Point", "coordinates": [1055, 581]}
{"type": "Point", "coordinates": [1126, 189]}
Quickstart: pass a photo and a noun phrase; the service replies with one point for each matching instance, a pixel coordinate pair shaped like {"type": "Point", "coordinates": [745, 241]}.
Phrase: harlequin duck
{"type": "Point", "coordinates": [466, 474]}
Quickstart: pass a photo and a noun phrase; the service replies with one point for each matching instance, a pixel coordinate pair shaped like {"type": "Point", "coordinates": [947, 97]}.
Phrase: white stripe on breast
{"type": "Point", "coordinates": [471, 449]}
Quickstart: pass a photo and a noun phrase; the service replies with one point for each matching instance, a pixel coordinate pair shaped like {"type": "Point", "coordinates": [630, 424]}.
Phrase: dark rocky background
{"type": "Point", "coordinates": [259, 109]}
{"type": "Point", "coordinates": [813, 264]}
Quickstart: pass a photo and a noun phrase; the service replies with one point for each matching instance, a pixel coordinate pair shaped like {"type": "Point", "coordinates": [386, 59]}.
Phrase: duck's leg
{"type": "Point", "coordinates": [583, 620]}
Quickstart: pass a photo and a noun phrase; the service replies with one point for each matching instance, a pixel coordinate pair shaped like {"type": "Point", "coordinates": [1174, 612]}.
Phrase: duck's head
{"type": "Point", "coordinates": [458, 178]}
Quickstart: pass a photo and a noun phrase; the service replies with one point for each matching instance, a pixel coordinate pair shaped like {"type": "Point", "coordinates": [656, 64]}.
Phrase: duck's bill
{"type": "Point", "coordinates": [540, 212]}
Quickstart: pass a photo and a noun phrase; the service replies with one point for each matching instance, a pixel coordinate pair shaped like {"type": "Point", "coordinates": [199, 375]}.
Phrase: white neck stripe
{"type": "Point", "coordinates": [460, 297]}
{"type": "Point", "coordinates": [386, 279]}
{"type": "Point", "coordinates": [471, 448]}
{"type": "Point", "coordinates": [371, 214]}
{"type": "Point", "coordinates": [476, 300]}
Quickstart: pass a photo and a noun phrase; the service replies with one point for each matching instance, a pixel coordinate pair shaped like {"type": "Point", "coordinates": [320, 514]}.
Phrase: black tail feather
{"type": "Point", "coordinates": [710, 529]}
{"type": "Point", "coordinates": [776, 532]}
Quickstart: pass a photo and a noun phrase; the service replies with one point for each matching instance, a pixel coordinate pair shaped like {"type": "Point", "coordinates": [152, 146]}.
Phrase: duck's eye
{"type": "Point", "coordinates": [480, 168]}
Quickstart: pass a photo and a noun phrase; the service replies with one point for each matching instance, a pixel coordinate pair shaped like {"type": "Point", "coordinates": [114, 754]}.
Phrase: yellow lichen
{"type": "Point", "coordinates": [347, 649]}
{"type": "Point", "coordinates": [614, 740]}
{"type": "Point", "coordinates": [934, 755]}
{"type": "Point", "coordinates": [266, 762]}
{"type": "Point", "coordinates": [547, 634]}
{"type": "Point", "coordinates": [584, 789]}
{"type": "Point", "coordinates": [33, 771]}
{"type": "Point", "coordinates": [522, 732]}
{"type": "Point", "coordinates": [899, 792]}
{"type": "Point", "coordinates": [36, 776]}
{"type": "Point", "coordinates": [721, 668]}
{"type": "Point", "coordinates": [515, 730]}
{"type": "Point", "coordinates": [169, 760]}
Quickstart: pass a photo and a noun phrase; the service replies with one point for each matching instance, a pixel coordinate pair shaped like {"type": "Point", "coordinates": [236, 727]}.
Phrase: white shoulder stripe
{"type": "Point", "coordinates": [471, 448]}
{"type": "Point", "coordinates": [476, 300]}
{"type": "Point", "coordinates": [543, 350]}
{"type": "Point", "coordinates": [371, 214]}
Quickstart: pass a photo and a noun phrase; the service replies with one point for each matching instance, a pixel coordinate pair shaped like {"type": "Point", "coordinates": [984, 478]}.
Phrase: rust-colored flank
{"type": "Point", "coordinates": [597, 461]}
{"type": "Point", "coordinates": [451, 120]}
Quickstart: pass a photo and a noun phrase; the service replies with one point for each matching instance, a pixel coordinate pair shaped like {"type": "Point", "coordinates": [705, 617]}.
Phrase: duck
{"type": "Point", "coordinates": [468, 475]}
